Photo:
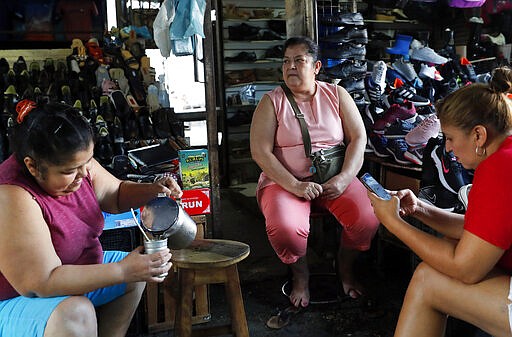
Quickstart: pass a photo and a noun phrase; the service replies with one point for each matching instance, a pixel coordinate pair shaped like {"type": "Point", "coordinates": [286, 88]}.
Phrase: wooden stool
{"type": "Point", "coordinates": [210, 261]}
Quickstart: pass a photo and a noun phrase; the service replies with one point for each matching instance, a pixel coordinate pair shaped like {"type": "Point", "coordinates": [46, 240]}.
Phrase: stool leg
{"type": "Point", "coordinates": [183, 321]}
{"type": "Point", "coordinates": [236, 304]}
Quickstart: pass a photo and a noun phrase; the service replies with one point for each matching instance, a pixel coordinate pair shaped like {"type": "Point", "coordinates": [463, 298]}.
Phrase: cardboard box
{"type": "Point", "coordinates": [196, 201]}
{"type": "Point", "coordinates": [194, 169]}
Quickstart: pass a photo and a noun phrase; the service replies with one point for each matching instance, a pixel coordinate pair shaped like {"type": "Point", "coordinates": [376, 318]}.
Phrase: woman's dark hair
{"type": "Point", "coordinates": [51, 133]}
{"type": "Point", "coordinates": [310, 45]}
{"type": "Point", "coordinates": [480, 104]}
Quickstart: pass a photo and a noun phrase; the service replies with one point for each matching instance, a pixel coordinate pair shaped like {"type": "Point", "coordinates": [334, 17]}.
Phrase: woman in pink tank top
{"type": "Point", "coordinates": [285, 191]}
{"type": "Point", "coordinates": [55, 278]}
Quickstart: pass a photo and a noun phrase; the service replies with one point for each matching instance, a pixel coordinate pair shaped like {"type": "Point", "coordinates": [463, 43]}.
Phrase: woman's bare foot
{"type": "Point", "coordinates": [299, 295]}
{"type": "Point", "coordinates": [346, 260]}
{"type": "Point", "coordinates": [350, 287]}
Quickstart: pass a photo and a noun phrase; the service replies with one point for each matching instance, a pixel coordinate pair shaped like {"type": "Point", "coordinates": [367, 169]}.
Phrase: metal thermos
{"type": "Point", "coordinates": [154, 246]}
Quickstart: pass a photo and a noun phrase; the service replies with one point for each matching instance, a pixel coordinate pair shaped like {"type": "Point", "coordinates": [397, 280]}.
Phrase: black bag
{"type": "Point", "coordinates": [326, 162]}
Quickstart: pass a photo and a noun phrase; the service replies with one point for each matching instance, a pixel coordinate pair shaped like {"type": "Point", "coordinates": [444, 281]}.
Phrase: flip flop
{"type": "Point", "coordinates": [283, 317]}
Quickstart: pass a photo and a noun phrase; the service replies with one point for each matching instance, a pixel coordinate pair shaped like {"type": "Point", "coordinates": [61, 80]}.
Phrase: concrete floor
{"type": "Point", "coordinates": [384, 271]}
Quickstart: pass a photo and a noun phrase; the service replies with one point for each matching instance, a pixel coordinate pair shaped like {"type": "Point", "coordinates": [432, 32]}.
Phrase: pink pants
{"type": "Point", "coordinates": [287, 219]}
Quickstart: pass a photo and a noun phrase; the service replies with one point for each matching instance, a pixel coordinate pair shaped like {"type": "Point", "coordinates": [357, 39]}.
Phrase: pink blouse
{"type": "Point", "coordinates": [324, 125]}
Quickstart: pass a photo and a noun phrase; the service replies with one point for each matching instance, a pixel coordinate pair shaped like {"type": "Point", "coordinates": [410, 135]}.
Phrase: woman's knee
{"type": "Point", "coordinates": [75, 316]}
{"type": "Point", "coordinates": [424, 281]}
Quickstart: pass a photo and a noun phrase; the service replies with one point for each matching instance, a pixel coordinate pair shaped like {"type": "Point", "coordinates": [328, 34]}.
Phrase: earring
{"type": "Point", "coordinates": [480, 153]}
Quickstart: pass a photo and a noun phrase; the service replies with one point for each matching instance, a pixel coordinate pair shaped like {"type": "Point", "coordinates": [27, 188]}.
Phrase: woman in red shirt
{"type": "Point", "coordinates": [466, 273]}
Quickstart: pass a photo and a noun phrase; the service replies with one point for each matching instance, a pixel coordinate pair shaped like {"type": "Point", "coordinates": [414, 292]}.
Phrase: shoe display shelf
{"type": "Point", "coordinates": [253, 33]}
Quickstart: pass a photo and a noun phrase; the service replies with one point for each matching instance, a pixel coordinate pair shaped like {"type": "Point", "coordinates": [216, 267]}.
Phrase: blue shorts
{"type": "Point", "coordinates": [23, 316]}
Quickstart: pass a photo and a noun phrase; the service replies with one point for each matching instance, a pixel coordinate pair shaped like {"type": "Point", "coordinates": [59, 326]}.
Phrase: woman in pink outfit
{"type": "Point", "coordinates": [285, 189]}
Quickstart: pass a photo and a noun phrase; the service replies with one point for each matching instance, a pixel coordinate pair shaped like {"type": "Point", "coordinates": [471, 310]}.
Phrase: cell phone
{"type": "Point", "coordinates": [373, 185]}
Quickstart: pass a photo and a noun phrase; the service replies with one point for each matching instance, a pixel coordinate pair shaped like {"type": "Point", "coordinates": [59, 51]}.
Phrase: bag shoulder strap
{"type": "Point", "coordinates": [303, 127]}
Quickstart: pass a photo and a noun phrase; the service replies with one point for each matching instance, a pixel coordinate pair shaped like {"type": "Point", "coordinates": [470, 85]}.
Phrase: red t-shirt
{"type": "Point", "coordinates": [488, 214]}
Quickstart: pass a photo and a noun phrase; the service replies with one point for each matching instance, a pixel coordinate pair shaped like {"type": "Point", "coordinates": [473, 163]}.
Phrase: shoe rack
{"type": "Point", "coordinates": [253, 33]}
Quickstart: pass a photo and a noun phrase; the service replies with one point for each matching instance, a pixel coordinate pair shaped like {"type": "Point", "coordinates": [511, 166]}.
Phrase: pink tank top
{"type": "Point", "coordinates": [324, 125]}
{"type": "Point", "coordinates": [75, 221]}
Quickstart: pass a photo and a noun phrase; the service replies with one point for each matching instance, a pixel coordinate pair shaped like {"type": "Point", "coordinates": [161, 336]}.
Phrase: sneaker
{"type": "Point", "coordinates": [340, 19]}
{"type": "Point", "coordinates": [415, 154]}
{"type": "Point", "coordinates": [406, 69]}
{"type": "Point", "coordinates": [483, 78]}
{"type": "Point", "coordinates": [275, 52]}
{"type": "Point", "coordinates": [379, 75]}
{"type": "Point", "coordinates": [440, 197]}
{"type": "Point", "coordinates": [427, 54]}
{"type": "Point", "coordinates": [398, 129]}
{"type": "Point", "coordinates": [393, 76]}
{"type": "Point", "coordinates": [463, 194]}
{"type": "Point", "coordinates": [242, 57]}
{"type": "Point", "coordinates": [427, 71]}
{"type": "Point", "coordinates": [426, 110]}
{"type": "Point", "coordinates": [351, 34]}
{"type": "Point", "coordinates": [352, 84]}
{"type": "Point", "coordinates": [468, 69]}
{"type": "Point", "coordinates": [243, 32]}
{"type": "Point", "coordinates": [426, 129]}
{"type": "Point", "coordinates": [449, 86]}
{"type": "Point", "coordinates": [449, 170]}
{"type": "Point", "coordinates": [346, 51]}
{"type": "Point", "coordinates": [377, 98]}
{"type": "Point", "coordinates": [378, 143]}
{"type": "Point", "coordinates": [346, 69]}
{"type": "Point", "coordinates": [397, 147]}
{"type": "Point", "coordinates": [396, 111]}
{"type": "Point", "coordinates": [405, 93]}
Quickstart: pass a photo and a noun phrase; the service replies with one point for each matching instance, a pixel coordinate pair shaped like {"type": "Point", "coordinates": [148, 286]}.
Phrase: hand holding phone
{"type": "Point", "coordinates": [373, 185]}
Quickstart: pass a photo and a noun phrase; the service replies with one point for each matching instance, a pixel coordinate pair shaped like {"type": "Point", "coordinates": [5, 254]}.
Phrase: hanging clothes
{"type": "Point", "coordinates": [189, 19]}
{"type": "Point", "coordinates": [162, 25]}
{"type": "Point", "coordinates": [187, 24]}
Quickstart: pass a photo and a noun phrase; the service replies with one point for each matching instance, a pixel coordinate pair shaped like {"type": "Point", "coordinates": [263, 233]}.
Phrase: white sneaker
{"type": "Point", "coordinates": [427, 71]}
{"type": "Point", "coordinates": [427, 54]}
{"type": "Point", "coordinates": [379, 75]}
{"type": "Point", "coordinates": [405, 69]}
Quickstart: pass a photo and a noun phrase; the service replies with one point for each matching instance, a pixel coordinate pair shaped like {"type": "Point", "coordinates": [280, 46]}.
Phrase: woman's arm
{"type": "Point", "coordinates": [468, 259]}
{"type": "Point", "coordinates": [263, 132]}
{"type": "Point", "coordinates": [446, 223]}
{"type": "Point", "coordinates": [117, 196]}
{"type": "Point", "coordinates": [29, 262]}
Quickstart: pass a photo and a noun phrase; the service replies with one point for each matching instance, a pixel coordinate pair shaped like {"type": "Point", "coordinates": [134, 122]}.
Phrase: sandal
{"type": "Point", "coordinates": [283, 317]}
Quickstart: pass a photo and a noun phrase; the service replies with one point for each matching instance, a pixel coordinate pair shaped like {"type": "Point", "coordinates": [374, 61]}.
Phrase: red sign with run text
{"type": "Point", "coordinates": [196, 201]}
